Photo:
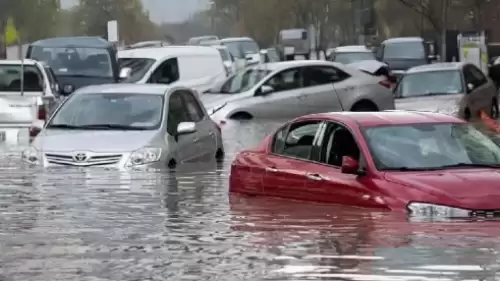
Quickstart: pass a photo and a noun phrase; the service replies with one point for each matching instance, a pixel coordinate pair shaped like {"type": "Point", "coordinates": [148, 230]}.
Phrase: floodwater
{"type": "Point", "coordinates": [93, 224]}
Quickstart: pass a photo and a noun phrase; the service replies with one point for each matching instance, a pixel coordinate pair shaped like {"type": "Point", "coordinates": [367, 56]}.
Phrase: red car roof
{"type": "Point", "coordinates": [385, 118]}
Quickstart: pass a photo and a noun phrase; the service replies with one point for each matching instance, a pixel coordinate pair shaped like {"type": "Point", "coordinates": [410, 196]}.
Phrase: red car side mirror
{"type": "Point", "coordinates": [349, 166]}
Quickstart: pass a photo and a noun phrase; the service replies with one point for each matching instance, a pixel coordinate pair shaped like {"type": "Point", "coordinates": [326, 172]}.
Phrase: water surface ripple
{"type": "Point", "coordinates": [94, 224]}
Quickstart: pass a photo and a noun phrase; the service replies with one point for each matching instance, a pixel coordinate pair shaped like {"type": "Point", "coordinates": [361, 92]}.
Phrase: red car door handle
{"type": "Point", "coordinates": [315, 177]}
{"type": "Point", "coordinates": [271, 169]}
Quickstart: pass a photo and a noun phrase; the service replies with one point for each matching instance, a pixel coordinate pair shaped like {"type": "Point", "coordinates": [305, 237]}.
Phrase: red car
{"type": "Point", "coordinates": [418, 162]}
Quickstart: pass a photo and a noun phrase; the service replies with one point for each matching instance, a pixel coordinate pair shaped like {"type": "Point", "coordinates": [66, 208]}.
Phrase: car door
{"type": "Point", "coordinates": [325, 182]}
{"type": "Point", "coordinates": [480, 95]}
{"type": "Point", "coordinates": [322, 86]}
{"type": "Point", "coordinates": [284, 168]}
{"type": "Point", "coordinates": [184, 147]}
{"type": "Point", "coordinates": [285, 98]}
{"type": "Point", "coordinates": [206, 139]}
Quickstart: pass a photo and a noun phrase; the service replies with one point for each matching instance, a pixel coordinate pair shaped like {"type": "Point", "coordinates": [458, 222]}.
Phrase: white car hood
{"type": "Point", "coordinates": [447, 104]}
{"type": "Point", "coordinates": [216, 100]}
{"type": "Point", "coordinates": [95, 141]}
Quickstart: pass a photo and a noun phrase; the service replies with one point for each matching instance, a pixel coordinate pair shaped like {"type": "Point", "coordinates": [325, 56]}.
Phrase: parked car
{"type": "Point", "coordinates": [127, 126]}
{"type": "Point", "coordinates": [173, 65]}
{"type": "Point", "coordinates": [295, 42]}
{"type": "Point", "coordinates": [350, 54]}
{"type": "Point", "coordinates": [29, 91]}
{"type": "Point", "coordinates": [227, 59]}
{"type": "Point", "coordinates": [201, 39]}
{"type": "Point", "coordinates": [294, 88]}
{"type": "Point", "coordinates": [423, 163]}
{"type": "Point", "coordinates": [402, 53]}
{"type": "Point", "coordinates": [456, 88]}
{"type": "Point", "coordinates": [77, 61]}
{"type": "Point", "coordinates": [148, 44]}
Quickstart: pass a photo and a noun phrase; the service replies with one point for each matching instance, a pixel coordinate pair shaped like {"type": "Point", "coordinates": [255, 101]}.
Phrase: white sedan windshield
{"type": "Point", "coordinates": [243, 81]}
{"type": "Point", "coordinates": [431, 83]}
{"type": "Point", "coordinates": [110, 111]}
{"type": "Point", "coordinates": [430, 146]}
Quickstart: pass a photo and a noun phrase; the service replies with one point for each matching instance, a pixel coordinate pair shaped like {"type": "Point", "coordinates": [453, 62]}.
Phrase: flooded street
{"type": "Point", "coordinates": [92, 224]}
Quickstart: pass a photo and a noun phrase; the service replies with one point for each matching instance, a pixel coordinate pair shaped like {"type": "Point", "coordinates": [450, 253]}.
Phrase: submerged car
{"type": "Point", "coordinates": [77, 61]}
{"type": "Point", "coordinates": [416, 162]}
{"type": "Point", "coordinates": [350, 54]}
{"type": "Point", "coordinates": [28, 92]}
{"type": "Point", "coordinates": [127, 125]}
{"type": "Point", "coordinates": [457, 88]}
{"type": "Point", "coordinates": [293, 88]}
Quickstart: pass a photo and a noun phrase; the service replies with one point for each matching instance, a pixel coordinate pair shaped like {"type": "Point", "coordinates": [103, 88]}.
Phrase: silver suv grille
{"type": "Point", "coordinates": [92, 160]}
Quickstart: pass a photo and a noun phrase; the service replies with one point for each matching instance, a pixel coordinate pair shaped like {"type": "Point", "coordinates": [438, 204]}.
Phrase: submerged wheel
{"type": "Point", "coordinates": [241, 116]}
{"type": "Point", "coordinates": [467, 114]}
{"type": "Point", "coordinates": [364, 106]}
{"type": "Point", "coordinates": [494, 109]}
{"type": "Point", "coordinates": [219, 155]}
{"type": "Point", "coordinates": [172, 164]}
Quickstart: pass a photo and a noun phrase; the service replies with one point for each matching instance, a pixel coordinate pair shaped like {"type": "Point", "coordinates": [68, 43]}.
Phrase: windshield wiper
{"type": "Point", "coordinates": [111, 127]}
{"type": "Point", "coordinates": [468, 165]}
{"type": "Point", "coordinates": [84, 75]}
{"type": "Point", "coordinates": [63, 126]}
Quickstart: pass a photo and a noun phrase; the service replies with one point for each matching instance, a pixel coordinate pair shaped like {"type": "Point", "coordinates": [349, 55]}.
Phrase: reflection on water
{"type": "Point", "coordinates": [94, 224]}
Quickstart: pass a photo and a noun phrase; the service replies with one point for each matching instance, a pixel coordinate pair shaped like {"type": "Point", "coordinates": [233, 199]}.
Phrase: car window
{"type": "Point", "coordinates": [52, 78]}
{"type": "Point", "coordinates": [137, 111]}
{"type": "Point", "coordinates": [338, 142]}
{"type": "Point", "coordinates": [139, 66]}
{"type": "Point", "coordinates": [321, 75]}
{"type": "Point", "coordinates": [478, 76]}
{"type": "Point", "coordinates": [177, 113]}
{"type": "Point", "coordinates": [195, 112]}
{"type": "Point", "coordinates": [242, 81]}
{"type": "Point", "coordinates": [10, 78]}
{"type": "Point", "coordinates": [286, 80]}
{"type": "Point", "coordinates": [404, 50]}
{"type": "Point", "coordinates": [166, 73]}
{"type": "Point", "coordinates": [299, 139]}
{"type": "Point", "coordinates": [347, 58]}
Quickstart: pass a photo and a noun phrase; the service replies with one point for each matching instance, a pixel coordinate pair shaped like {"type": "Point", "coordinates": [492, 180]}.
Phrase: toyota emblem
{"type": "Point", "coordinates": [80, 157]}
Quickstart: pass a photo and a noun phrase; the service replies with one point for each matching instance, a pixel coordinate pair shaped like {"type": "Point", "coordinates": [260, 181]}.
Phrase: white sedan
{"type": "Point", "coordinates": [294, 88]}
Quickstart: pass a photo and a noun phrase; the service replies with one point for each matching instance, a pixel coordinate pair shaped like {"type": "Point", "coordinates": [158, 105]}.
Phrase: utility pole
{"type": "Point", "coordinates": [444, 27]}
{"type": "Point", "coordinates": [3, 43]}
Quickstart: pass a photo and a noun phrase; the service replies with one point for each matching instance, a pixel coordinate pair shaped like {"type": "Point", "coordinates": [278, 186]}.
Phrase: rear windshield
{"type": "Point", "coordinates": [404, 50]}
{"type": "Point", "coordinates": [10, 78]}
{"type": "Point", "coordinates": [347, 58]}
{"type": "Point", "coordinates": [224, 55]}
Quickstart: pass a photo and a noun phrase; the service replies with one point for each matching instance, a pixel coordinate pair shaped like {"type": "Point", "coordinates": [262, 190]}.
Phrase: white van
{"type": "Point", "coordinates": [196, 67]}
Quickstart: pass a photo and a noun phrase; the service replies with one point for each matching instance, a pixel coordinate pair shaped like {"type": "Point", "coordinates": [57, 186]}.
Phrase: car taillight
{"type": "Point", "coordinates": [42, 114]}
{"type": "Point", "coordinates": [34, 131]}
{"type": "Point", "coordinates": [385, 83]}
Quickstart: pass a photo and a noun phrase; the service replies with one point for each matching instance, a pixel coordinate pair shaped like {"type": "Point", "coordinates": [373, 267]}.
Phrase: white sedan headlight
{"type": "Point", "coordinates": [431, 210]}
{"type": "Point", "coordinates": [144, 155]}
{"type": "Point", "coordinates": [32, 156]}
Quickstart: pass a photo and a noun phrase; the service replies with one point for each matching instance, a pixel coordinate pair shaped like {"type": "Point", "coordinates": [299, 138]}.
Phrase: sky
{"type": "Point", "coordinates": [163, 10]}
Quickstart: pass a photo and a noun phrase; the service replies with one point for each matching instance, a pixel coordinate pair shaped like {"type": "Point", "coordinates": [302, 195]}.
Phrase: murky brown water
{"type": "Point", "coordinates": [91, 224]}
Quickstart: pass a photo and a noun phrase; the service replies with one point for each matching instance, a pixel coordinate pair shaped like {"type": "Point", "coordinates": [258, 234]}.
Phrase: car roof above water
{"type": "Point", "coordinates": [442, 66]}
{"type": "Point", "coordinates": [158, 53]}
{"type": "Point", "coordinates": [352, 49]}
{"type": "Point", "coordinates": [274, 66]}
{"type": "Point", "coordinates": [123, 88]}
{"type": "Point", "coordinates": [385, 118]}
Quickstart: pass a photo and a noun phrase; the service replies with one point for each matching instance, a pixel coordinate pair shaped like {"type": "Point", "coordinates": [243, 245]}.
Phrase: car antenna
{"type": "Point", "coordinates": [22, 76]}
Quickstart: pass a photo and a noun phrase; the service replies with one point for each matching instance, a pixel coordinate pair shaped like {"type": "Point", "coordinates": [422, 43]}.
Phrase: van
{"type": "Point", "coordinates": [295, 42]}
{"type": "Point", "coordinates": [196, 67]}
{"type": "Point", "coordinates": [405, 52]}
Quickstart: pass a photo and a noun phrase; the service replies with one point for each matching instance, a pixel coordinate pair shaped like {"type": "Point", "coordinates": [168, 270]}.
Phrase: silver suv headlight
{"type": "Point", "coordinates": [431, 210]}
{"type": "Point", "coordinates": [32, 156]}
{"type": "Point", "coordinates": [145, 155]}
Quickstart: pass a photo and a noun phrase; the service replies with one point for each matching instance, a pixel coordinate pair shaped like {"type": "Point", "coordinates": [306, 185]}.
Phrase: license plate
{"type": "Point", "coordinates": [289, 50]}
{"type": "Point", "coordinates": [2, 136]}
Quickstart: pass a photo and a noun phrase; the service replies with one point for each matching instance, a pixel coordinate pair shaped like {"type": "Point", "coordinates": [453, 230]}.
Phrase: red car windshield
{"type": "Point", "coordinates": [430, 146]}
